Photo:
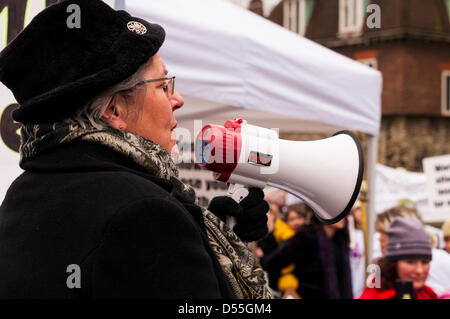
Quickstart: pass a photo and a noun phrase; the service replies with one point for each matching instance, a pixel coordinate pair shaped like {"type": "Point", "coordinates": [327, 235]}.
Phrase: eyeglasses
{"type": "Point", "coordinates": [170, 82]}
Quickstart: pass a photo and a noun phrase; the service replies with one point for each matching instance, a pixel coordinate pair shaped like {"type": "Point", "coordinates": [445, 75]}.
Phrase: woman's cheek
{"type": "Point", "coordinates": [427, 269]}
{"type": "Point", "coordinates": [404, 270]}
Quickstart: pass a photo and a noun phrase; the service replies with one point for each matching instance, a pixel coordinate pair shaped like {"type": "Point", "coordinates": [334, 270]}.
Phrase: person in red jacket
{"type": "Point", "coordinates": [407, 258]}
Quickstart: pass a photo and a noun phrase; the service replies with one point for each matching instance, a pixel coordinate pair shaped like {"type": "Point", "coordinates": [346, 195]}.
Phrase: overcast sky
{"type": "Point", "coordinates": [267, 4]}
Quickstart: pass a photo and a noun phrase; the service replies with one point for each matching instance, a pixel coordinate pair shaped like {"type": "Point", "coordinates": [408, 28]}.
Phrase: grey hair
{"type": "Point", "coordinates": [91, 113]}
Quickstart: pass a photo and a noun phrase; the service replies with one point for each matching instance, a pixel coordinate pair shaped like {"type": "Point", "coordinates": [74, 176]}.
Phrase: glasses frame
{"type": "Point", "coordinates": [170, 79]}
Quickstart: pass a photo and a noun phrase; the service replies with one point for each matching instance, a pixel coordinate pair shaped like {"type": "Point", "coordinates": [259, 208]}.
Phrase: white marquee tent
{"type": "Point", "coordinates": [230, 62]}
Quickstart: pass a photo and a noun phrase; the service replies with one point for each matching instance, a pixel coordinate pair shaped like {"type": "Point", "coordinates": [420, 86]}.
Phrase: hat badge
{"type": "Point", "coordinates": [137, 27]}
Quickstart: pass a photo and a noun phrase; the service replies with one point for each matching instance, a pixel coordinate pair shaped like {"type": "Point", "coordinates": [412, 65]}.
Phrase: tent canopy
{"type": "Point", "coordinates": [230, 62]}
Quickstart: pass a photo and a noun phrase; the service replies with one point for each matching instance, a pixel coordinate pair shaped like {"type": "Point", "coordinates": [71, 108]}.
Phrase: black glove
{"type": "Point", "coordinates": [250, 214]}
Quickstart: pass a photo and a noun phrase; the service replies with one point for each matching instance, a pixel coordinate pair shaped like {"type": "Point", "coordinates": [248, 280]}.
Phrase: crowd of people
{"type": "Point", "coordinates": [305, 259]}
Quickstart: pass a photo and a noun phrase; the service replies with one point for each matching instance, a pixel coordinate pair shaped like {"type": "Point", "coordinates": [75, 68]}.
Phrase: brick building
{"type": "Point", "coordinates": [409, 42]}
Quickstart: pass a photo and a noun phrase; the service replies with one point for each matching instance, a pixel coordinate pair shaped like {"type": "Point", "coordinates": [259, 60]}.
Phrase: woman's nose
{"type": "Point", "coordinates": [419, 268]}
{"type": "Point", "coordinates": [177, 101]}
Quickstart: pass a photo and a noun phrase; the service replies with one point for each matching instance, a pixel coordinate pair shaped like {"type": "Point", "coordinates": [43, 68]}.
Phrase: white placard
{"type": "Point", "coordinates": [437, 170]}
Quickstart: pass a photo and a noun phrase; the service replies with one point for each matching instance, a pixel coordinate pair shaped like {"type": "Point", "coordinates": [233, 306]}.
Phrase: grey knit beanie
{"type": "Point", "coordinates": [407, 239]}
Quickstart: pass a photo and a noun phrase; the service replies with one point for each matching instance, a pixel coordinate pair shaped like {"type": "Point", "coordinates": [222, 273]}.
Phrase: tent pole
{"type": "Point", "coordinates": [372, 156]}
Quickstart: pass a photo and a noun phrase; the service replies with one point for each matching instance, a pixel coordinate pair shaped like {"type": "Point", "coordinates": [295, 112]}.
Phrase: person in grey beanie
{"type": "Point", "coordinates": [407, 258]}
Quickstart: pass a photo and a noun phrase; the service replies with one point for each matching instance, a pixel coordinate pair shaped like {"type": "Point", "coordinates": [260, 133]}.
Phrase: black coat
{"type": "Point", "coordinates": [85, 204]}
{"type": "Point", "coordinates": [322, 264]}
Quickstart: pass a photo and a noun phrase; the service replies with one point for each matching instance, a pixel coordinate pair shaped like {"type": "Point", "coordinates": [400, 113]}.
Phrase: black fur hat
{"type": "Point", "coordinates": [53, 67]}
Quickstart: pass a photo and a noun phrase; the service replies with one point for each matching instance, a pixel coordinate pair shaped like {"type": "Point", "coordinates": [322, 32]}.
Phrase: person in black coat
{"type": "Point", "coordinates": [99, 211]}
{"type": "Point", "coordinates": [321, 257]}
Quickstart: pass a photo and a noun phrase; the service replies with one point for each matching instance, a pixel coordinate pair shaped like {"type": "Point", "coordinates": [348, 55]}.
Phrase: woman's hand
{"type": "Point", "coordinates": [250, 214]}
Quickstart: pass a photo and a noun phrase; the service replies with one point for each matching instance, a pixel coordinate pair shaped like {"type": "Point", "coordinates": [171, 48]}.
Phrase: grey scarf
{"type": "Point", "coordinates": [244, 274]}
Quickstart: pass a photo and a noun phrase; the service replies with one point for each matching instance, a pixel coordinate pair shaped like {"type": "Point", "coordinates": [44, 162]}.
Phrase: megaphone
{"type": "Point", "coordinates": [326, 174]}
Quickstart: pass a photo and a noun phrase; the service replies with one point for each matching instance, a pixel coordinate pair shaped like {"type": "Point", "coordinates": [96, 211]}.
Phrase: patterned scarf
{"type": "Point", "coordinates": [241, 269]}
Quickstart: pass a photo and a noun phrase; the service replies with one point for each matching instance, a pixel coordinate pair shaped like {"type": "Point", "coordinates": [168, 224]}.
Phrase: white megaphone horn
{"type": "Point", "coordinates": [325, 174]}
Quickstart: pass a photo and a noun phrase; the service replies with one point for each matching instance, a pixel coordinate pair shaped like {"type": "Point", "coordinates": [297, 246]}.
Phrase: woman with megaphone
{"type": "Point", "coordinates": [99, 211]}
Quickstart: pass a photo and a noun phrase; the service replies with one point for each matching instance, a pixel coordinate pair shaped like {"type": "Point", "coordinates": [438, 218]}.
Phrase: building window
{"type": "Point", "coordinates": [371, 62]}
{"type": "Point", "coordinates": [295, 15]}
{"type": "Point", "coordinates": [446, 92]}
{"type": "Point", "coordinates": [351, 16]}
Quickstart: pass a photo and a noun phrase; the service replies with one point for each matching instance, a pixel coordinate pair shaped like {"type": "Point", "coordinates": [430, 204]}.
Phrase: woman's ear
{"type": "Point", "coordinates": [114, 115]}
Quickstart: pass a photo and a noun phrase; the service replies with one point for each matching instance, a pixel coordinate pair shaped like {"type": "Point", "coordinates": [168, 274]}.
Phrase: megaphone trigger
{"type": "Point", "coordinates": [237, 192]}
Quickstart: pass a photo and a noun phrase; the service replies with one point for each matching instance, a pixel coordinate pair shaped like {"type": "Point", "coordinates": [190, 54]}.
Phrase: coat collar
{"type": "Point", "coordinates": [84, 156]}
